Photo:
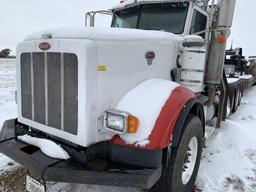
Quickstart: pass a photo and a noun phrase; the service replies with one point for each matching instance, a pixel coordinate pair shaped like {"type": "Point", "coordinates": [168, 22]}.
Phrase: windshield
{"type": "Point", "coordinates": [169, 17]}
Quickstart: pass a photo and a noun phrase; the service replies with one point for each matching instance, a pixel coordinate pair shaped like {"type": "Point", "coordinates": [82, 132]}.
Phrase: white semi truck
{"type": "Point", "coordinates": [130, 103]}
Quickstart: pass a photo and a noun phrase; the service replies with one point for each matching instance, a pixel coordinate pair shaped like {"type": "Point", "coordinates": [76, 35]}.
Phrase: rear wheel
{"type": "Point", "coordinates": [231, 103]}
{"type": "Point", "coordinates": [228, 108]}
{"type": "Point", "coordinates": [236, 100]}
{"type": "Point", "coordinates": [181, 171]}
{"type": "Point", "coordinates": [240, 96]}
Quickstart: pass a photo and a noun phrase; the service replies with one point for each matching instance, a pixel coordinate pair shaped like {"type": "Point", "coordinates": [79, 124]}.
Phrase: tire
{"type": "Point", "coordinates": [232, 96]}
{"type": "Point", "coordinates": [232, 102]}
{"type": "Point", "coordinates": [188, 153]}
{"type": "Point", "coordinates": [229, 107]}
{"type": "Point", "coordinates": [239, 96]}
{"type": "Point", "coordinates": [236, 100]}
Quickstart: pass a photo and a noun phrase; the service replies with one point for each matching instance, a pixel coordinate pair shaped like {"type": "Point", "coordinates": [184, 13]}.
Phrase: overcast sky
{"type": "Point", "coordinates": [21, 17]}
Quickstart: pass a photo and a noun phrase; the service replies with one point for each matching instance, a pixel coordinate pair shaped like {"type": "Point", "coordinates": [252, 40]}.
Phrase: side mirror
{"type": "Point", "coordinates": [193, 41]}
{"type": "Point", "coordinates": [90, 17]}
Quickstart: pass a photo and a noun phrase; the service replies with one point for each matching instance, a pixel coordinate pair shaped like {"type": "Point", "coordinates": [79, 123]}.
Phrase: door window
{"type": "Point", "coordinates": [199, 24]}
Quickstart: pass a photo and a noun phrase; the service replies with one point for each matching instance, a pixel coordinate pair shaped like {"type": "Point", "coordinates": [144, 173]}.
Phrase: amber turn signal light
{"type": "Point", "coordinates": [221, 39]}
{"type": "Point", "coordinates": [133, 124]}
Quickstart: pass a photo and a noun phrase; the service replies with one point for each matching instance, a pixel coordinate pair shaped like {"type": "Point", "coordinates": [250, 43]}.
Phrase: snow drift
{"type": "Point", "coordinates": [48, 147]}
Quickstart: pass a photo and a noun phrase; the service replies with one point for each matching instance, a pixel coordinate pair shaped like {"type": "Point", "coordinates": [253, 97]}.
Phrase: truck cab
{"type": "Point", "coordinates": [181, 18]}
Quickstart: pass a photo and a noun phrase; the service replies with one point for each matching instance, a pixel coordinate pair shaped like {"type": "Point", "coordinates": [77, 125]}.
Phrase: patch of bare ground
{"type": "Point", "coordinates": [235, 183]}
{"type": "Point", "coordinates": [252, 180]}
{"type": "Point", "coordinates": [251, 154]}
{"type": "Point", "coordinates": [196, 189]}
{"type": "Point", "coordinates": [13, 181]}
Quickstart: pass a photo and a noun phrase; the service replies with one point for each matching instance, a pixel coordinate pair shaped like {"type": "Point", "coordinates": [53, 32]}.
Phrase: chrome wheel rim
{"type": "Point", "coordinates": [189, 161]}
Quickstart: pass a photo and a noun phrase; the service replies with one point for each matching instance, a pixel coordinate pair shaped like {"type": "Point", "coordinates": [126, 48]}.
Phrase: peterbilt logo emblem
{"type": "Point", "coordinates": [44, 46]}
{"type": "Point", "coordinates": [150, 56]}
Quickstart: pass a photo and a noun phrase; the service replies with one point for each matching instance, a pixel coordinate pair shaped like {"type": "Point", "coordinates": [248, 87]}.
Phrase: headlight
{"type": "Point", "coordinates": [120, 122]}
{"type": "Point", "coordinates": [116, 121]}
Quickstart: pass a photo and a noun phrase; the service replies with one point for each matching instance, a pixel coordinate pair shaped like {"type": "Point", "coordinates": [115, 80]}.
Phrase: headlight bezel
{"type": "Point", "coordinates": [112, 113]}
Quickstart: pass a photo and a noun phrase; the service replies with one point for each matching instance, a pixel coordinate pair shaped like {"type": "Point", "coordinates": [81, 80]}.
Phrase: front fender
{"type": "Point", "coordinates": [166, 121]}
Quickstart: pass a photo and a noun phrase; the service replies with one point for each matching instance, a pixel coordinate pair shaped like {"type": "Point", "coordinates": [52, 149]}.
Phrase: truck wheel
{"type": "Point", "coordinates": [235, 105]}
{"type": "Point", "coordinates": [229, 107]}
{"type": "Point", "coordinates": [240, 96]}
{"type": "Point", "coordinates": [181, 171]}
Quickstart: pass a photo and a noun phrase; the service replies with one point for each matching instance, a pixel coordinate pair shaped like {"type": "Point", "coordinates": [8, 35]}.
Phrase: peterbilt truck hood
{"type": "Point", "coordinates": [95, 33]}
{"type": "Point", "coordinates": [90, 91]}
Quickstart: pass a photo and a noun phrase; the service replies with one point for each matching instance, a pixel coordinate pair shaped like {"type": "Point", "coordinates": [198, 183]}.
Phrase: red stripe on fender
{"type": "Point", "coordinates": [166, 122]}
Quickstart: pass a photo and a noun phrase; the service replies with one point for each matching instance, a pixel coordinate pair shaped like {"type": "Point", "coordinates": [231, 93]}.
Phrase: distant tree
{"type": "Point", "coordinates": [5, 53]}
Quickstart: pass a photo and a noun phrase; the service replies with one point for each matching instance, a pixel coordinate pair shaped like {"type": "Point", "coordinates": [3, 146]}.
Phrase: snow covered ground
{"type": "Point", "coordinates": [228, 162]}
{"type": "Point", "coordinates": [7, 97]}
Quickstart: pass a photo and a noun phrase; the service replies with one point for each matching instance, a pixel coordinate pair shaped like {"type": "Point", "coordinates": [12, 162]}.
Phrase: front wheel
{"type": "Point", "coordinates": [184, 161]}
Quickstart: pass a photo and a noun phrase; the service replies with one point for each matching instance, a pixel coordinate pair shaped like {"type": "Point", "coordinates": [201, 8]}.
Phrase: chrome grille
{"type": "Point", "coordinates": [70, 115]}
{"type": "Point", "coordinates": [49, 89]}
{"type": "Point", "coordinates": [26, 86]}
{"type": "Point", "coordinates": [54, 89]}
{"type": "Point", "coordinates": [39, 90]}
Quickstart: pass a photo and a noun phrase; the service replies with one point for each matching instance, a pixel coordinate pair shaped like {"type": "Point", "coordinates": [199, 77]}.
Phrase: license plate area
{"type": "Point", "coordinates": [33, 185]}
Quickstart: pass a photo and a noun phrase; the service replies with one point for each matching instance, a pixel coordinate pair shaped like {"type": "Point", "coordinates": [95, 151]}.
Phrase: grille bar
{"type": "Point", "coordinates": [62, 92]}
{"type": "Point", "coordinates": [46, 88]}
{"type": "Point", "coordinates": [32, 87]}
{"type": "Point", "coordinates": [49, 89]}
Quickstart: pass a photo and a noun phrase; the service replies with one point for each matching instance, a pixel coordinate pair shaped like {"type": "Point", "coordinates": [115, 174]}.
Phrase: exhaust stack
{"type": "Point", "coordinates": [219, 34]}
